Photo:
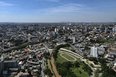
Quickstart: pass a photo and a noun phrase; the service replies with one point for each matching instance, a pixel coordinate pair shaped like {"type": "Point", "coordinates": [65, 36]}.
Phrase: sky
{"type": "Point", "coordinates": [57, 10]}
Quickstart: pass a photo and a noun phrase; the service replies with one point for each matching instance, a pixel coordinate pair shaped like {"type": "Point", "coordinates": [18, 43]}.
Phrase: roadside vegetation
{"type": "Point", "coordinates": [102, 41]}
{"type": "Point", "coordinates": [17, 48]}
{"type": "Point", "coordinates": [48, 66]}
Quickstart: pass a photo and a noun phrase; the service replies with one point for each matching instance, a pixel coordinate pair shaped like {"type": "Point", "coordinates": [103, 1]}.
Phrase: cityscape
{"type": "Point", "coordinates": [54, 38]}
{"type": "Point", "coordinates": [50, 49]}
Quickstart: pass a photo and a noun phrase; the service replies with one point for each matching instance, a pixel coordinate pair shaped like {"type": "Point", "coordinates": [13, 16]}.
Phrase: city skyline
{"type": "Point", "coordinates": [57, 11]}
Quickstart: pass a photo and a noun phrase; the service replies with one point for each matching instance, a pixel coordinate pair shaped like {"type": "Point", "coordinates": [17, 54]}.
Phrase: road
{"type": "Point", "coordinates": [68, 59]}
{"type": "Point", "coordinates": [65, 50]}
{"type": "Point", "coordinates": [77, 50]}
{"type": "Point", "coordinates": [42, 66]}
{"type": "Point", "coordinates": [13, 47]}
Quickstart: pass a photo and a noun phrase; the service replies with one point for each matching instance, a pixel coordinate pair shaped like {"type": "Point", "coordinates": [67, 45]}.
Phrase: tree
{"type": "Point", "coordinates": [63, 71]}
{"type": "Point", "coordinates": [29, 71]}
{"type": "Point", "coordinates": [23, 70]}
{"type": "Point", "coordinates": [76, 64]}
{"type": "Point", "coordinates": [97, 73]}
{"type": "Point", "coordinates": [85, 55]}
{"type": "Point", "coordinates": [80, 72]}
{"type": "Point", "coordinates": [86, 47]}
{"type": "Point", "coordinates": [87, 35]}
{"type": "Point", "coordinates": [48, 72]}
{"type": "Point", "coordinates": [67, 39]}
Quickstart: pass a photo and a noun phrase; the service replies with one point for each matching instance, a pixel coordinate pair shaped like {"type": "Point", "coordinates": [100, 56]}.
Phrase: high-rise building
{"type": "Point", "coordinates": [55, 30]}
{"type": "Point", "coordinates": [86, 29]}
{"type": "Point", "coordinates": [73, 39]}
{"type": "Point", "coordinates": [94, 52]}
{"type": "Point", "coordinates": [3, 44]}
{"type": "Point", "coordinates": [1, 64]}
{"type": "Point", "coordinates": [114, 29]}
{"type": "Point", "coordinates": [63, 27]}
{"type": "Point", "coordinates": [29, 36]}
{"type": "Point", "coordinates": [106, 30]}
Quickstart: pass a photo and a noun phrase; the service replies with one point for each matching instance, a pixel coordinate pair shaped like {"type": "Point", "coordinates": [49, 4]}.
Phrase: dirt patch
{"type": "Point", "coordinates": [60, 51]}
{"type": "Point", "coordinates": [54, 68]}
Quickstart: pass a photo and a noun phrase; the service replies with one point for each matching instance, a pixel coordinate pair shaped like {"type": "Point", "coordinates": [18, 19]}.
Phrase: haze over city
{"type": "Point", "coordinates": [57, 10]}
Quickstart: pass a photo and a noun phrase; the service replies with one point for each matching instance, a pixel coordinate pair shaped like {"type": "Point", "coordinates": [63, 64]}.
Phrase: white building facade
{"type": "Point", "coordinates": [94, 52]}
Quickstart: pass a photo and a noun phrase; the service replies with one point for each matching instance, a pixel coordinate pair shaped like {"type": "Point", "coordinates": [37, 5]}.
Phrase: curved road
{"type": "Point", "coordinates": [66, 58]}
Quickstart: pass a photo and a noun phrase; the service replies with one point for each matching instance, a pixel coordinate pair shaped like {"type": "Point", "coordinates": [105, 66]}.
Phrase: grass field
{"type": "Point", "coordinates": [68, 57]}
{"type": "Point", "coordinates": [68, 48]}
{"type": "Point", "coordinates": [75, 70]}
{"type": "Point", "coordinates": [78, 70]}
{"type": "Point", "coordinates": [60, 59]}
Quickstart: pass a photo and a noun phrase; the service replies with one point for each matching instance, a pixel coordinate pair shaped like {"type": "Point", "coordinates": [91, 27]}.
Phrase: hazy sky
{"type": "Point", "coordinates": [57, 10]}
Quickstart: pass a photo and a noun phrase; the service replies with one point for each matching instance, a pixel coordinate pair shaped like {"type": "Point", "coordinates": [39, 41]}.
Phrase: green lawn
{"type": "Point", "coordinates": [71, 55]}
{"type": "Point", "coordinates": [77, 72]}
{"type": "Point", "coordinates": [78, 69]}
{"type": "Point", "coordinates": [60, 59]}
{"type": "Point", "coordinates": [68, 48]}
{"type": "Point", "coordinates": [68, 57]}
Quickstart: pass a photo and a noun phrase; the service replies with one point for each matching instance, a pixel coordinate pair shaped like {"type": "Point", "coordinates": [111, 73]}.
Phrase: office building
{"type": "Point", "coordinates": [94, 52]}
{"type": "Point", "coordinates": [1, 64]}
{"type": "Point", "coordinates": [73, 39]}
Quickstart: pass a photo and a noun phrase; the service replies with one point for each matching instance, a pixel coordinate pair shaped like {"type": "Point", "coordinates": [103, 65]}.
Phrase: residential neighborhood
{"type": "Point", "coordinates": [43, 50]}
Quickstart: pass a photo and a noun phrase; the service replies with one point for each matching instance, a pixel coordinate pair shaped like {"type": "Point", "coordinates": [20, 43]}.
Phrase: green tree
{"type": "Point", "coordinates": [48, 72]}
{"type": "Point", "coordinates": [76, 64]}
{"type": "Point", "coordinates": [23, 70]}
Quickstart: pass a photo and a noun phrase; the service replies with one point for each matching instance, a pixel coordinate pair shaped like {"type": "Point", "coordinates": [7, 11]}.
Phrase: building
{"type": "Point", "coordinates": [24, 75]}
{"type": "Point", "coordinates": [114, 29]}
{"type": "Point", "coordinates": [94, 51]}
{"type": "Point", "coordinates": [11, 64]}
{"type": "Point", "coordinates": [1, 64]}
{"type": "Point", "coordinates": [73, 39]}
{"type": "Point", "coordinates": [86, 29]}
{"type": "Point", "coordinates": [63, 27]}
{"type": "Point", "coordinates": [101, 51]}
{"type": "Point", "coordinates": [29, 36]}
{"type": "Point", "coordinates": [55, 30]}
{"type": "Point", "coordinates": [106, 29]}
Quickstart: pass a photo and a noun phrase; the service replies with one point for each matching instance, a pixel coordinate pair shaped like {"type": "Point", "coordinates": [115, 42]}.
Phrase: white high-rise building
{"type": "Point", "coordinates": [114, 29]}
{"type": "Point", "coordinates": [94, 52]}
{"type": "Point", "coordinates": [1, 63]}
{"type": "Point", "coordinates": [73, 39]}
{"type": "Point", "coordinates": [63, 27]}
{"type": "Point", "coordinates": [55, 30]}
{"type": "Point", "coordinates": [29, 36]}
